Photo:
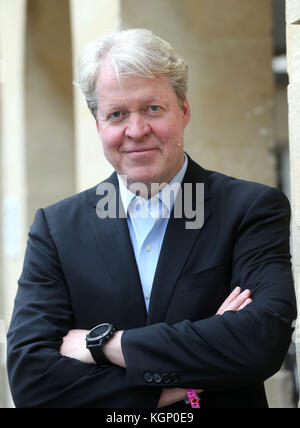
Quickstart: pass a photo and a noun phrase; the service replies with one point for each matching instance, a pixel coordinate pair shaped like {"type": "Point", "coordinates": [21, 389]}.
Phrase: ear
{"type": "Point", "coordinates": [186, 112]}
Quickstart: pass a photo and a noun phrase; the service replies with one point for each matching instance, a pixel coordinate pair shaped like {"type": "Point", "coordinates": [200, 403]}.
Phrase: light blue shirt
{"type": "Point", "coordinates": [147, 222]}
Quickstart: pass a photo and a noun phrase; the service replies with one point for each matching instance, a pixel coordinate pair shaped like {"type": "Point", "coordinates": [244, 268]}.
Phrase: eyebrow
{"type": "Point", "coordinates": [116, 106]}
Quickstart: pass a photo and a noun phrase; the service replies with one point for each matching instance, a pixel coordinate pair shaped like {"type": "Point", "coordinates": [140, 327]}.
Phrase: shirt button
{"type": "Point", "coordinates": [139, 204]}
{"type": "Point", "coordinates": [148, 248]}
{"type": "Point", "coordinates": [147, 296]}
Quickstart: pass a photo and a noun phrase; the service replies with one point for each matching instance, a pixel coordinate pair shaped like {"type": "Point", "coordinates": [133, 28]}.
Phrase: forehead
{"type": "Point", "coordinates": [131, 88]}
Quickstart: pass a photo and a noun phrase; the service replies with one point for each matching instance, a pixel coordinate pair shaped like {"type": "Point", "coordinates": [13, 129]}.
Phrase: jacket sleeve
{"type": "Point", "coordinates": [236, 349]}
{"type": "Point", "coordinates": [39, 376]}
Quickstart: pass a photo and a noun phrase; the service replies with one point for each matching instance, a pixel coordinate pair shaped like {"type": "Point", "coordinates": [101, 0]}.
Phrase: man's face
{"type": "Point", "coordinates": [141, 126]}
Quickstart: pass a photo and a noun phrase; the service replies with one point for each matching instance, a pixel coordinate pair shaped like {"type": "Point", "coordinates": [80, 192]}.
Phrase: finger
{"type": "Point", "coordinates": [234, 304]}
{"type": "Point", "coordinates": [239, 301]}
{"type": "Point", "coordinates": [232, 296]}
{"type": "Point", "coordinates": [246, 303]}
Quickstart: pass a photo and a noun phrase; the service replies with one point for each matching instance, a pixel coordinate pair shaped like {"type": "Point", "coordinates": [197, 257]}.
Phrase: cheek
{"type": "Point", "coordinates": [111, 139]}
{"type": "Point", "coordinates": [171, 134]}
{"type": "Point", "coordinates": [170, 129]}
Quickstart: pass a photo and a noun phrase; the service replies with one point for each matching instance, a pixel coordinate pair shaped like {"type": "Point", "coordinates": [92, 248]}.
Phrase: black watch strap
{"type": "Point", "coordinates": [99, 356]}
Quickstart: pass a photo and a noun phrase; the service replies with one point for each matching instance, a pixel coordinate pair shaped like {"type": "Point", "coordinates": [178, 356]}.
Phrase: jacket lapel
{"type": "Point", "coordinates": [177, 245]}
{"type": "Point", "coordinates": [114, 243]}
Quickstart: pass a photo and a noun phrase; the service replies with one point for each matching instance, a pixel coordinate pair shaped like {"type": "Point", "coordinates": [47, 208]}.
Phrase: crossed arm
{"type": "Point", "coordinates": [73, 346]}
{"type": "Point", "coordinates": [237, 347]}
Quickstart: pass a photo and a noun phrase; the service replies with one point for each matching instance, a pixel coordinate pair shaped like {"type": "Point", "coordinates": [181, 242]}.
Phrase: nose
{"type": "Point", "coordinates": [137, 127]}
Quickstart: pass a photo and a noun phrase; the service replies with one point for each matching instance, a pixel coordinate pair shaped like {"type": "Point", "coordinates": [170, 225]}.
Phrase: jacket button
{"type": "Point", "coordinates": [157, 378]}
{"type": "Point", "coordinates": [166, 378]}
{"type": "Point", "coordinates": [148, 377]}
{"type": "Point", "coordinates": [175, 377]}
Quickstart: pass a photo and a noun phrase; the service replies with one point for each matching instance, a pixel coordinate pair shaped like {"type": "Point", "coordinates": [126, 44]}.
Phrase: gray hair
{"type": "Point", "coordinates": [131, 52]}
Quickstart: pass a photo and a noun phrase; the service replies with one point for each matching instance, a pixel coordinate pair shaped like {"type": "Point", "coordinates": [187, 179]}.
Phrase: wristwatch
{"type": "Point", "coordinates": [95, 340]}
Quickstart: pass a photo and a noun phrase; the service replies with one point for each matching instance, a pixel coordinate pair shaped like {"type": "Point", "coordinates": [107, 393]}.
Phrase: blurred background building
{"type": "Point", "coordinates": [49, 147]}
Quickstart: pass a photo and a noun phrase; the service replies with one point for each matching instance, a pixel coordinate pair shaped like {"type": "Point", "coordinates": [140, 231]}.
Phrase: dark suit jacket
{"type": "Point", "coordinates": [80, 271]}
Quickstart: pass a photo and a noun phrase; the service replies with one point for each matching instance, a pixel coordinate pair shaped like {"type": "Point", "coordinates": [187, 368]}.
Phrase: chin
{"type": "Point", "coordinates": [141, 176]}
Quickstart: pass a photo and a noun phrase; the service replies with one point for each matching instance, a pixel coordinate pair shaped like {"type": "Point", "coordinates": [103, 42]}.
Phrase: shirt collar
{"type": "Point", "coordinates": [126, 194]}
{"type": "Point", "coordinates": [165, 195]}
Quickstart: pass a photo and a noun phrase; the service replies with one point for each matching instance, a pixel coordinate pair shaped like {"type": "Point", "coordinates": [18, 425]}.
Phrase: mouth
{"type": "Point", "coordinates": [140, 153]}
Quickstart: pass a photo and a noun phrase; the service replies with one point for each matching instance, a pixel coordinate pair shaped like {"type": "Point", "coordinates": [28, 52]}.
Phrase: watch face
{"type": "Point", "coordinates": [99, 331]}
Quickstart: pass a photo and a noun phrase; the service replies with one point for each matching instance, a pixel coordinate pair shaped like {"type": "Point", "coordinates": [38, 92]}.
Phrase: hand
{"type": "Point", "coordinates": [235, 301]}
{"type": "Point", "coordinates": [173, 395]}
{"type": "Point", "coordinates": [74, 346]}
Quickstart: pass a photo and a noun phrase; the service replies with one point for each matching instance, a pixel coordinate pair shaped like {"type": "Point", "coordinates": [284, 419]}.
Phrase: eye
{"type": "Point", "coordinates": [154, 108]}
{"type": "Point", "coordinates": [116, 115]}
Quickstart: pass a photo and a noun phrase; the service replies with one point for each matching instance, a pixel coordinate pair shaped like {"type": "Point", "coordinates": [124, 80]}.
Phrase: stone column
{"type": "Point", "coordinates": [12, 147]}
{"type": "Point", "coordinates": [12, 180]}
{"type": "Point", "coordinates": [89, 21]}
{"type": "Point", "coordinates": [293, 56]}
{"type": "Point", "coordinates": [49, 130]}
{"type": "Point", "coordinates": [2, 323]}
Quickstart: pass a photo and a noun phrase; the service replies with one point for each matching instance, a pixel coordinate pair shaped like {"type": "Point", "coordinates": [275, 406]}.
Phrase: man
{"type": "Point", "coordinates": [157, 285]}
